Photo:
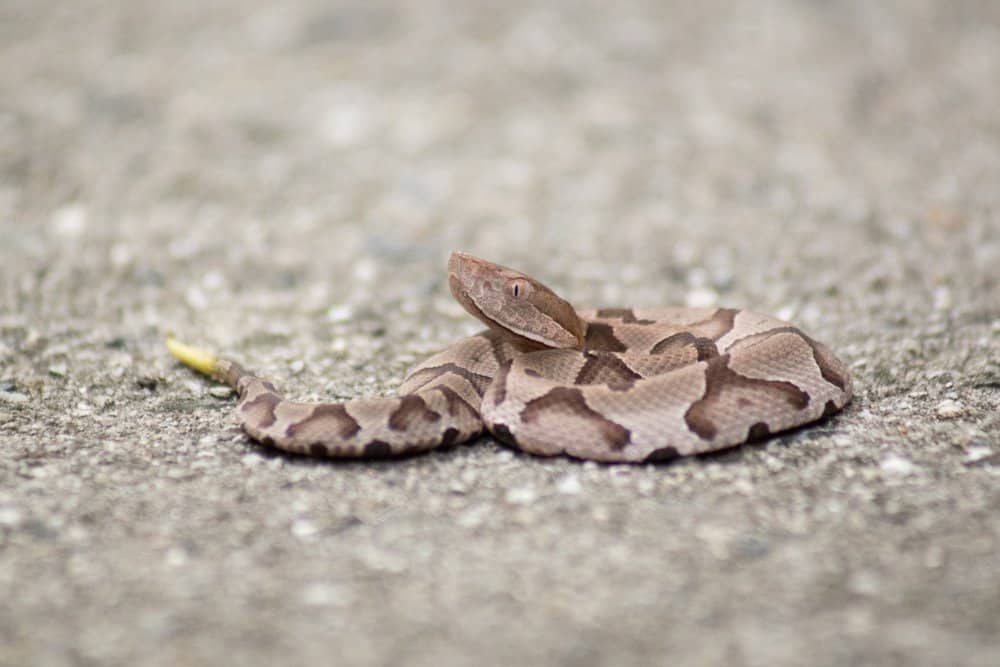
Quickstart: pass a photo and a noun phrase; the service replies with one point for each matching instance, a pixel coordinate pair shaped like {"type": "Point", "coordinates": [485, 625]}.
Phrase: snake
{"type": "Point", "coordinates": [630, 385]}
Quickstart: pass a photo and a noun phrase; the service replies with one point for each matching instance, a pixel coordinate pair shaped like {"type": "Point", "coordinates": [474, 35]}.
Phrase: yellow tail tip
{"type": "Point", "coordinates": [198, 359]}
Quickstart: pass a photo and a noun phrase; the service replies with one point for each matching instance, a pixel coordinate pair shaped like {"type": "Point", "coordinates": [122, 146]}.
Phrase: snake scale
{"type": "Point", "coordinates": [615, 384]}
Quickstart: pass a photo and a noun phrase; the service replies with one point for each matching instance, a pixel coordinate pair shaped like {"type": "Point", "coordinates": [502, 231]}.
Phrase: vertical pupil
{"type": "Point", "coordinates": [516, 290]}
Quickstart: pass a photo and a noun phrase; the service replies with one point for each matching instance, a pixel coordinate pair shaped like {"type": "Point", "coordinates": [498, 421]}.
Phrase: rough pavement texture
{"type": "Point", "coordinates": [284, 181]}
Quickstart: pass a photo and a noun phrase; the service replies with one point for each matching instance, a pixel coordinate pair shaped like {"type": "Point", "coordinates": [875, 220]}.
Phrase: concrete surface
{"type": "Point", "coordinates": [283, 181]}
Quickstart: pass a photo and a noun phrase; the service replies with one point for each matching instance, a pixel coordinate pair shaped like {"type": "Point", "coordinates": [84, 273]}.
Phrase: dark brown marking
{"type": "Point", "coordinates": [662, 455]}
{"type": "Point", "coordinates": [601, 336]}
{"type": "Point", "coordinates": [503, 434]}
{"type": "Point", "coordinates": [378, 449]}
{"type": "Point", "coordinates": [500, 353]}
{"type": "Point", "coordinates": [412, 408]}
{"type": "Point", "coordinates": [449, 437]}
{"type": "Point", "coordinates": [500, 383]}
{"type": "Point", "coordinates": [267, 441]}
{"type": "Point", "coordinates": [531, 372]}
{"type": "Point", "coordinates": [828, 364]}
{"type": "Point", "coordinates": [824, 358]}
{"type": "Point", "coordinates": [318, 449]}
{"type": "Point", "coordinates": [455, 402]}
{"type": "Point", "coordinates": [758, 431]}
{"type": "Point", "coordinates": [829, 409]}
{"type": "Point", "coordinates": [702, 414]}
{"type": "Point", "coordinates": [332, 416]}
{"type": "Point", "coordinates": [626, 315]}
{"type": "Point", "coordinates": [607, 369]}
{"type": "Point", "coordinates": [570, 400]}
{"type": "Point", "coordinates": [720, 323]}
{"type": "Point", "coordinates": [260, 411]}
{"type": "Point", "coordinates": [705, 347]}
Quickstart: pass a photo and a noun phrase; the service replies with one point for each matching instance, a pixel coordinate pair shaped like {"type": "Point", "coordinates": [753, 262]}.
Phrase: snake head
{"type": "Point", "coordinates": [514, 304]}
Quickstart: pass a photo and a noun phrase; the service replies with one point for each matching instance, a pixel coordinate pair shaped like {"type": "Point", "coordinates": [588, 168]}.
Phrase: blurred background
{"type": "Point", "coordinates": [284, 181]}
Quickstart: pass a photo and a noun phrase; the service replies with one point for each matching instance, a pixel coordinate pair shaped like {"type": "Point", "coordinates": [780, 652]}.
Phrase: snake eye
{"type": "Point", "coordinates": [518, 289]}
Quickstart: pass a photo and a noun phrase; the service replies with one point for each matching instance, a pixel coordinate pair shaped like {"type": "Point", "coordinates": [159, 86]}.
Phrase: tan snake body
{"type": "Point", "coordinates": [626, 385]}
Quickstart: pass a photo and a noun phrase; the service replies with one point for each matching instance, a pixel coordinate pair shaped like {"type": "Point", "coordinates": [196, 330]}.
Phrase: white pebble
{"type": "Point", "coordinates": [365, 270]}
{"type": "Point", "coordinates": [175, 557]}
{"type": "Point", "coordinates": [977, 453]}
{"type": "Point", "coordinates": [213, 280]}
{"type": "Point", "coordinates": [251, 460]}
{"type": "Point", "coordinates": [195, 298]}
{"type": "Point", "coordinates": [701, 297]}
{"type": "Point", "coordinates": [69, 222]}
{"type": "Point", "coordinates": [865, 583]}
{"type": "Point", "coordinates": [942, 298]}
{"type": "Point", "coordinates": [569, 485]}
{"type": "Point", "coordinates": [950, 409]}
{"type": "Point", "coordinates": [347, 123]}
{"type": "Point", "coordinates": [473, 517]}
{"type": "Point", "coordinates": [896, 466]}
{"type": "Point", "coordinates": [304, 529]}
{"type": "Point", "coordinates": [340, 313]}
{"type": "Point", "coordinates": [322, 594]}
{"type": "Point", "coordinates": [221, 391]}
{"type": "Point", "coordinates": [121, 255]}
{"type": "Point", "coordinates": [9, 516]}
{"type": "Point", "coordinates": [522, 495]}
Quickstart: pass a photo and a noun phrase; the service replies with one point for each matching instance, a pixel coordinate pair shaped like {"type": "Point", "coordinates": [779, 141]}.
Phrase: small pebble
{"type": "Point", "coordinates": [473, 517]}
{"type": "Point", "coordinates": [977, 453]}
{"type": "Point", "coordinates": [304, 529]}
{"type": "Point", "coordinates": [213, 280]}
{"type": "Point", "coordinates": [522, 495]}
{"type": "Point", "coordinates": [196, 298]}
{"type": "Point", "coordinates": [701, 297]}
{"type": "Point", "coordinates": [58, 370]}
{"type": "Point", "coordinates": [365, 270]}
{"type": "Point", "coordinates": [322, 594]}
{"type": "Point", "coordinates": [896, 466]}
{"type": "Point", "coordinates": [9, 516]}
{"type": "Point", "coordinates": [949, 409]}
{"type": "Point", "coordinates": [646, 486]}
{"type": "Point", "coordinates": [569, 485]}
{"type": "Point", "coordinates": [69, 222]}
{"type": "Point", "coordinates": [221, 391]}
{"type": "Point", "coordinates": [175, 557]}
{"type": "Point", "coordinates": [194, 387]}
{"type": "Point", "coordinates": [865, 583]}
{"type": "Point", "coordinates": [340, 313]}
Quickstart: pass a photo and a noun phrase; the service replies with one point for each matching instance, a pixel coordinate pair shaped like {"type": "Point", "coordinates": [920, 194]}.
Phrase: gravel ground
{"type": "Point", "coordinates": [283, 182]}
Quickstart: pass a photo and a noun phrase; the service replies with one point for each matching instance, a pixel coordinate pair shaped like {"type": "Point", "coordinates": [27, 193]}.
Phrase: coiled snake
{"type": "Point", "coordinates": [615, 384]}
